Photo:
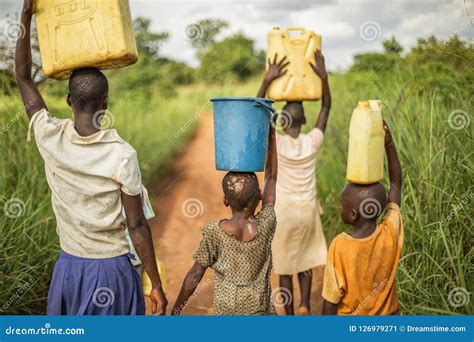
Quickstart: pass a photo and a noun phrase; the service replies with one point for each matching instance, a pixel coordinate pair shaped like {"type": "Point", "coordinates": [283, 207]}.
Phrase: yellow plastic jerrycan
{"type": "Point", "coordinates": [146, 281]}
{"type": "Point", "coordinates": [300, 82]}
{"type": "Point", "coordinates": [75, 34]}
{"type": "Point", "coordinates": [366, 144]}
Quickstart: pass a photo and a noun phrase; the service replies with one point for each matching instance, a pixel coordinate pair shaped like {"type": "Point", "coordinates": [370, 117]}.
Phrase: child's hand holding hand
{"type": "Point", "coordinates": [158, 301]}
{"type": "Point", "coordinates": [319, 66]}
{"type": "Point", "coordinates": [275, 69]}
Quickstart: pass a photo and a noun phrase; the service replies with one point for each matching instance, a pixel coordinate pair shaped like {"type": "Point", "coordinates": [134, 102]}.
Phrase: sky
{"type": "Point", "coordinates": [347, 27]}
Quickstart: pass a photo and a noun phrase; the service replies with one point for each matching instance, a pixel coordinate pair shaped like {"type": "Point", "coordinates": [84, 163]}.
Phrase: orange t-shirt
{"type": "Point", "coordinates": [360, 273]}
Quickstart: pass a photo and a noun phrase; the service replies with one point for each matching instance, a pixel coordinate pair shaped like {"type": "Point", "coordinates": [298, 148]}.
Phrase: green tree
{"type": "Point", "coordinates": [202, 34]}
{"type": "Point", "coordinates": [233, 58]}
{"type": "Point", "coordinates": [147, 41]}
{"type": "Point", "coordinates": [374, 61]}
{"type": "Point", "coordinates": [392, 46]}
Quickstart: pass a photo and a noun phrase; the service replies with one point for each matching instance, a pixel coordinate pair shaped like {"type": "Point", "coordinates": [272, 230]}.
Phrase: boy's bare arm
{"type": "Point", "coordinates": [320, 69]}
{"type": "Point", "coordinates": [329, 308]}
{"type": "Point", "coordinates": [190, 283]}
{"type": "Point", "coordinates": [394, 168]}
{"type": "Point", "coordinates": [140, 234]}
{"type": "Point", "coordinates": [275, 70]}
{"type": "Point", "coordinates": [271, 168]}
{"type": "Point", "coordinates": [30, 94]}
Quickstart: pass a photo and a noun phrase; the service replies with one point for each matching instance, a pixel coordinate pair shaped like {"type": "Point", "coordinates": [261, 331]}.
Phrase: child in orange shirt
{"type": "Point", "coordinates": [360, 270]}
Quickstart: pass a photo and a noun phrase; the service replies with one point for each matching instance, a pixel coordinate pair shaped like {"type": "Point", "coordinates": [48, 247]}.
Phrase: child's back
{"type": "Point", "coordinates": [299, 244]}
{"type": "Point", "coordinates": [86, 176]}
{"type": "Point", "coordinates": [239, 248]}
{"type": "Point", "coordinates": [360, 272]}
{"type": "Point", "coordinates": [297, 165]}
{"type": "Point", "coordinates": [242, 268]}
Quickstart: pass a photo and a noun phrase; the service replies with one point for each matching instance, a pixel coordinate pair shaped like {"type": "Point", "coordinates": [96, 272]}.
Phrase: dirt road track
{"type": "Point", "coordinates": [190, 199]}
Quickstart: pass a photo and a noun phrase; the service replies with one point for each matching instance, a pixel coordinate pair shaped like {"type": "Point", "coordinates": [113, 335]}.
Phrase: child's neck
{"type": "Point", "coordinates": [293, 132]}
{"type": "Point", "coordinates": [364, 229]}
{"type": "Point", "coordinates": [242, 214]}
{"type": "Point", "coordinates": [84, 124]}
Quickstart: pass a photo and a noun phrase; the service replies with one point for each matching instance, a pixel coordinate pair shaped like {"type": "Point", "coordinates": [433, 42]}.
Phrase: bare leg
{"type": "Point", "coordinates": [305, 279]}
{"type": "Point", "coordinates": [286, 284]}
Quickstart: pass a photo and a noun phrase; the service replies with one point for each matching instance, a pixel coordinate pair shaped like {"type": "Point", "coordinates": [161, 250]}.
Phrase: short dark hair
{"type": "Point", "coordinates": [368, 200]}
{"type": "Point", "coordinates": [296, 112]}
{"type": "Point", "coordinates": [241, 189]}
{"type": "Point", "coordinates": [87, 86]}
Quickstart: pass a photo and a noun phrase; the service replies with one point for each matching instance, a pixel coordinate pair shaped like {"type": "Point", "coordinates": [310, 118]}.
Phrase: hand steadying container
{"type": "Point", "coordinates": [84, 33]}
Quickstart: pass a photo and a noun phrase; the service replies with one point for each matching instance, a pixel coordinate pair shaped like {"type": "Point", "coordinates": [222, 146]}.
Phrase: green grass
{"type": "Point", "coordinates": [436, 160]}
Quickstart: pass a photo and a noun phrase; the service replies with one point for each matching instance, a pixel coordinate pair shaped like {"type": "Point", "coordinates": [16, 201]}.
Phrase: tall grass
{"type": "Point", "coordinates": [436, 160]}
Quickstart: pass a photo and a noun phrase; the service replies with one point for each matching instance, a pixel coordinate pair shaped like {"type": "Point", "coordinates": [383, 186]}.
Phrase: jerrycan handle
{"type": "Point", "coordinates": [301, 29]}
{"type": "Point", "coordinates": [272, 110]}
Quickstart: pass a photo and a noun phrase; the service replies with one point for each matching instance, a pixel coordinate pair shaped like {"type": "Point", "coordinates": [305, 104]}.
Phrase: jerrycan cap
{"type": "Point", "coordinates": [363, 104]}
{"type": "Point", "coordinates": [276, 28]}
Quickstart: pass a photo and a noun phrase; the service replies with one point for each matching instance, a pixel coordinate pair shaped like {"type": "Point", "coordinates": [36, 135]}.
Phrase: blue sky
{"type": "Point", "coordinates": [347, 27]}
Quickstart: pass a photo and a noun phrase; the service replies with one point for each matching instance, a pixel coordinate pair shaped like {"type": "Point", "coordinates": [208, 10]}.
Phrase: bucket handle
{"type": "Point", "coordinates": [259, 102]}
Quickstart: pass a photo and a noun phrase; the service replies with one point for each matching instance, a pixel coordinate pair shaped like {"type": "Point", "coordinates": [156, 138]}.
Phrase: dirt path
{"type": "Point", "coordinates": [191, 199]}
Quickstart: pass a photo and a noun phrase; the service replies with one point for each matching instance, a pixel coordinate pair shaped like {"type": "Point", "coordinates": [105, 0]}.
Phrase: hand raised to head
{"type": "Point", "coordinates": [319, 66]}
{"type": "Point", "coordinates": [275, 68]}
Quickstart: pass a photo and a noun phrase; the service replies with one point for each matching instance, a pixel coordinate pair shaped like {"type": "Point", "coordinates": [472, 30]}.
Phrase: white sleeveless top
{"type": "Point", "coordinates": [296, 165]}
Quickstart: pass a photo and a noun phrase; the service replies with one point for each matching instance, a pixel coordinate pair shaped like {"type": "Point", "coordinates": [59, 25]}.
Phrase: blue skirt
{"type": "Point", "coordinates": [83, 286]}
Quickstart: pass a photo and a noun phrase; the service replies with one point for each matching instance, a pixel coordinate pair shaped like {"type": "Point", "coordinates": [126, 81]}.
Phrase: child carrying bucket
{"type": "Point", "coordinates": [299, 244]}
{"type": "Point", "coordinates": [238, 249]}
{"type": "Point", "coordinates": [92, 174]}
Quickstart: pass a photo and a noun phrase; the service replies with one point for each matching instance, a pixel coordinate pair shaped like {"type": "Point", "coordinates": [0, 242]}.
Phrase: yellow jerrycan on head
{"type": "Point", "coordinates": [366, 144]}
{"type": "Point", "coordinates": [75, 34]}
{"type": "Point", "coordinates": [300, 83]}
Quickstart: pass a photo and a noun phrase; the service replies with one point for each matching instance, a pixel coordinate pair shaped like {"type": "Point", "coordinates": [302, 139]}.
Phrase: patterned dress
{"type": "Point", "coordinates": [242, 268]}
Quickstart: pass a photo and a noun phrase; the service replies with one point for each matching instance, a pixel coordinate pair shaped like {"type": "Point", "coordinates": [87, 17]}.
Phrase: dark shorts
{"type": "Point", "coordinates": [83, 286]}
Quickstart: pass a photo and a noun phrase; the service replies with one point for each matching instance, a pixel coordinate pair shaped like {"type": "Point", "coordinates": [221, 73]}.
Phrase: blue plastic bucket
{"type": "Point", "coordinates": [241, 127]}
